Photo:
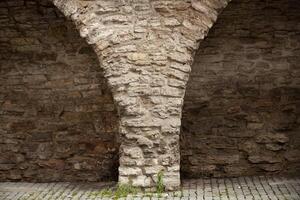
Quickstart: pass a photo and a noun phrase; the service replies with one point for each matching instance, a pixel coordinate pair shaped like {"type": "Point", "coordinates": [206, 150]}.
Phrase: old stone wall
{"type": "Point", "coordinates": [146, 49]}
{"type": "Point", "coordinates": [242, 106]}
{"type": "Point", "coordinates": [57, 117]}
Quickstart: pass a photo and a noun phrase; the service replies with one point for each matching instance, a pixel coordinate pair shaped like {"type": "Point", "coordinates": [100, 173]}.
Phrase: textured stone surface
{"type": "Point", "coordinates": [146, 49]}
{"type": "Point", "coordinates": [241, 188]}
{"type": "Point", "coordinates": [241, 111]}
{"type": "Point", "coordinates": [57, 117]}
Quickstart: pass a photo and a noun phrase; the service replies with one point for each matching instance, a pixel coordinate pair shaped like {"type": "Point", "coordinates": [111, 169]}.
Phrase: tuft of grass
{"type": "Point", "coordinates": [74, 194]}
{"type": "Point", "coordinates": [106, 192]}
{"type": "Point", "coordinates": [160, 188]}
{"type": "Point", "coordinates": [123, 190]}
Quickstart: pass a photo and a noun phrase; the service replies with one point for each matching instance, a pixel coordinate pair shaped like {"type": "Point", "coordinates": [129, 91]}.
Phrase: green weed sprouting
{"type": "Point", "coordinates": [160, 188]}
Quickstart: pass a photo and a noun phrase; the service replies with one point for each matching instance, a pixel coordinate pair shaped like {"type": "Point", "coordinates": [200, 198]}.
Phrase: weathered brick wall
{"type": "Point", "coordinates": [57, 117]}
{"type": "Point", "coordinates": [242, 105]}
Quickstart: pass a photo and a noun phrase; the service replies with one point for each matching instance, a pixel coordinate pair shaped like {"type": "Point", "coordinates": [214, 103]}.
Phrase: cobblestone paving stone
{"type": "Point", "coordinates": [242, 188]}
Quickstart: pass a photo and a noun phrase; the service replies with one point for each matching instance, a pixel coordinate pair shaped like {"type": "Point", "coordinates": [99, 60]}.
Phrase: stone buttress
{"type": "Point", "coordinates": [146, 49]}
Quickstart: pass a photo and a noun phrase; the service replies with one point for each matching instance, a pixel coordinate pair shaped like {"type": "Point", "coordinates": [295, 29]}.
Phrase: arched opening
{"type": "Point", "coordinates": [241, 112]}
{"type": "Point", "coordinates": [57, 117]}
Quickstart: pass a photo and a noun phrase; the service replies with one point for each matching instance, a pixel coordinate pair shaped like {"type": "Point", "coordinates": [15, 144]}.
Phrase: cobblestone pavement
{"type": "Point", "coordinates": [243, 188]}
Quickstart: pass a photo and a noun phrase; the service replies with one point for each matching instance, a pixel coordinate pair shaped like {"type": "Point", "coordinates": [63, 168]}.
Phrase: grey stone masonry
{"type": "Point", "coordinates": [241, 108]}
{"type": "Point", "coordinates": [58, 121]}
{"type": "Point", "coordinates": [146, 49]}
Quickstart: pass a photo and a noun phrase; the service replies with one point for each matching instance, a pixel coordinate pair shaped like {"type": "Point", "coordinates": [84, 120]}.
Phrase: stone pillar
{"type": "Point", "coordinates": [146, 48]}
{"type": "Point", "coordinates": [148, 88]}
{"type": "Point", "coordinates": [150, 143]}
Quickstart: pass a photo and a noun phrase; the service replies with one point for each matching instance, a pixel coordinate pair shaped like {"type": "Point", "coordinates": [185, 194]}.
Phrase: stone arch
{"type": "Point", "coordinates": [243, 78]}
{"type": "Point", "coordinates": [146, 49]}
{"type": "Point", "coordinates": [57, 116]}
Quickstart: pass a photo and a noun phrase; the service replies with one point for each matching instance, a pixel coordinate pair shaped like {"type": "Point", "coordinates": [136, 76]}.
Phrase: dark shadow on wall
{"type": "Point", "coordinates": [57, 117]}
{"type": "Point", "coordinates": [242, 106]}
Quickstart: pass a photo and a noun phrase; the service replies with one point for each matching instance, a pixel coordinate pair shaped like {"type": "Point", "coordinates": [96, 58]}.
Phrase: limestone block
{"type": "Point", "coordinates": [272, 137]}
{"type": "Point", "coordinates": [128, 161]}
{"type": "Point", "coordinates": [172, 182]}
{"type": "Point", "coordinates": [6, 167]}
{"type": "Point", "coordinates": [292, 155]}
{"type": "Point", "coordinates": [173, 168]}
{"type": "Point", "coordinates": [68, 7]}
{"type": "Point", "coordinates": [171, 22]}
{"type": "Point", "coordinates": [271, 167]}
{"type": "Point", "coordinates": [133, 152]}
{"type": "Point", "coordinates": [250, 147]}
{"type": "Point", "coordinates": [275, 147]}
{"type": "Point", "coordinates": [141, 181]}
{"type": "Point", "coordinates": [139, 58]}
{"type": "Point", "coordinates": [264, 158]}
{"type": "Point", "coordinates": [128, 171]}
{"type": "Point", "coordinates": [151, 162]}
{"type": "Point", "coordinates": [153, 169]}
{"type": "Point", "coordinates": [124, 180]}
{"type": "Point", "coordinates": [180, 57]}
{"type": "Point", "coordinates": [143, 141]}
{"type": "Point", "coordinates": [255, 126]}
